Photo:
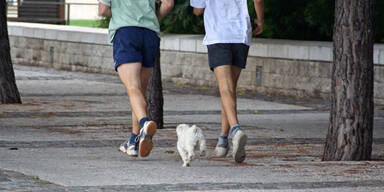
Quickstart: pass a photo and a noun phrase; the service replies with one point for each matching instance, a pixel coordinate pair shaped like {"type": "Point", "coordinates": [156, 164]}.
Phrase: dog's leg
{"type": "Point", "coordinates": [201, 140]}
{"type": "Point", "coordinates": [185, 159]}
{"type": "Point", "coordinates": [183, 155]}
{"type": "Point", "coordinates": [190, 153]}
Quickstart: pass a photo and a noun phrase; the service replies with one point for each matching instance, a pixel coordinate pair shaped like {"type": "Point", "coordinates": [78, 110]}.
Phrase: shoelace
{"type": "Point", "coordinates": [141, 134]}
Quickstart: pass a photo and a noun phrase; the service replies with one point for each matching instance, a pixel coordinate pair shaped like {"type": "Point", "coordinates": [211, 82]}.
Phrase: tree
{"type": "Point", "coordinates": [155, 95]}
{"type": "Point", "coordinates": [8, 89]}
{"type": "Point", "coordinates": [351, 120]}
{"type": "Point", "coordinates": [155, 92]}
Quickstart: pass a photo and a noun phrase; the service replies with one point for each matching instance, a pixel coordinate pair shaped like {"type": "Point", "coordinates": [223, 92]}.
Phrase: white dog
{"type": "Point", "coordinates": [187, 139]}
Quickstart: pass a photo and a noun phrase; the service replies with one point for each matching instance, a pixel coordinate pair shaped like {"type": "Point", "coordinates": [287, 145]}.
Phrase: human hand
{"type": "Point", "coordinates": [259, 27]}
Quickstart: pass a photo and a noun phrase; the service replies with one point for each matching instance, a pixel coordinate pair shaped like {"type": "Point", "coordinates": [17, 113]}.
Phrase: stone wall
{"type": "Point", "coordinates": [62, 55]}
{"type": "Point", "coordinates": [277, 67]}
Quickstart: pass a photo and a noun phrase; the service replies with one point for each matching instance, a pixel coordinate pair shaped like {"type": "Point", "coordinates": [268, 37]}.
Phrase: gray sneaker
{"type": "Point", "coordinates": [131, 150]}
{"type": "Point", "coordinates": [239, 141]}
{"type": "Point", "coordinates": [221, 150]}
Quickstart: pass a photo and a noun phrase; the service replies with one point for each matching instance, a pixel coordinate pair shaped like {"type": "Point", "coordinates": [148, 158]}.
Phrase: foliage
{"type": "Point", "coordinates": [300, 19]}
{"type": "Point", "coordinates": [182, 20]}
{"type": "Point", "coordinates": [306, 19]}
{"type": "Point", "coordinates": [379, 29]}
{"type": "Point", "coordinates": [294, 19]}
{"type": "Point", "coordinates": [103, 22]}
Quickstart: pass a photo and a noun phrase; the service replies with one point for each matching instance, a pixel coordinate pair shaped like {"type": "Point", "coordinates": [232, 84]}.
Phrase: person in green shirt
{"type": "Point", "coordinates": [133, 30]}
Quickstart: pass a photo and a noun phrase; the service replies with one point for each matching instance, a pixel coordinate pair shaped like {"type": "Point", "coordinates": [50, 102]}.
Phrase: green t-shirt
{"type": "Point", "coordinates": [139, 13]}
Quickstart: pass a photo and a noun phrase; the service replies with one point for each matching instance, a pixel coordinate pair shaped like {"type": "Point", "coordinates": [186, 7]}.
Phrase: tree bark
{"type": "Point", "coordinates": [351, 120]}
{"type": "Point", "coordinates": [155, 95]}
{"type": "Point", "coordinates": [8, 89]}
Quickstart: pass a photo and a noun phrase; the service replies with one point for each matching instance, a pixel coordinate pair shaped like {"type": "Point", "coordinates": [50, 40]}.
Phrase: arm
{"type": "Point", "coordinates": [198, 6]}
{"type": "Point", "coordinates": [165, 7]}
{"type": "Point", "coordinates": [105, 10]}
{"type": "Point", "coordinates": [198, 11]}
{"type": "Point", "coordinates": [259, 7]}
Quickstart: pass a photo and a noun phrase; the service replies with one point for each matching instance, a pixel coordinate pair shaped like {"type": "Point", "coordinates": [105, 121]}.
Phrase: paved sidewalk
{"type": "Point", "coordinates": [65, 137]}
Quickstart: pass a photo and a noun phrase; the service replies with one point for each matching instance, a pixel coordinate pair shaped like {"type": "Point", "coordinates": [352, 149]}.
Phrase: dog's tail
{"type": "Point", "coordinates": [200, 137]}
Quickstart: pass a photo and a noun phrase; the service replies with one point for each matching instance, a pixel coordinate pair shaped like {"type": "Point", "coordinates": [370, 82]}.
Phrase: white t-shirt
{"type": "Point", "coordinates": [225, 21]}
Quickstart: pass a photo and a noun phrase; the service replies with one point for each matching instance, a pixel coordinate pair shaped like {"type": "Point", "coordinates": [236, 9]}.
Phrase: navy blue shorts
{"type": "Point", "coordinates": [135, 45]}
{"type": "Point", "coordinates": [227, 54]}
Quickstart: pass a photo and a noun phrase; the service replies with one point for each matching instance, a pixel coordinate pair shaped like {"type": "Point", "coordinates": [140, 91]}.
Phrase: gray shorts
{"type": "Point", "coordinates": [227, 54]}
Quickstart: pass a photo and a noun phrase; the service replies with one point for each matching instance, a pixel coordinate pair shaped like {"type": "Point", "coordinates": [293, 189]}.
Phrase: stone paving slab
{"type": "Point", "coordinates": [103, 166]}
{"type": "Point", "coordinates": [15, 181]}
{"type": "Point", "coordinates": [66, 134]}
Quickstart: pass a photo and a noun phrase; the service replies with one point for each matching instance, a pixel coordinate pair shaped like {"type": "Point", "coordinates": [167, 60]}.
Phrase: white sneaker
{"type": "Point", "coordinates": [146, 134]}
{"type": "Point", "coordinates": [221, 150]}
{"type": "Point", "coordinates": [239, 141]}
{"type": "Point", "coordinates": [131, 150]}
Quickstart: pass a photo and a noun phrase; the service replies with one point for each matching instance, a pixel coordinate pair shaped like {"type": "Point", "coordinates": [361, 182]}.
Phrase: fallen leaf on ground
{"type": "Point", "coordinates": [169, 151]}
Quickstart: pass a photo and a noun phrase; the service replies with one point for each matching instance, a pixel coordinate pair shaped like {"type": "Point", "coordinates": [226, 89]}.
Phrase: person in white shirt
{"type": "Point", "coordinates": [228, 35]}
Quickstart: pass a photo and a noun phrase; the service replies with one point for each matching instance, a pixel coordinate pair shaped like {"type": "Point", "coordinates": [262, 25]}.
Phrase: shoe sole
{"type": "Point", "coordinates": [239, 149]}
{"type": "Point", "coordinates": [126, 152]}
{"type": "Point", "coordinates": [131, 155]}
{"type": "Point", "coordinates": [146, 144]}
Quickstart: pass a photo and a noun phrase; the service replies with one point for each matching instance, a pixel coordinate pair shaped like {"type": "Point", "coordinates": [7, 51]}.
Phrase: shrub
{"type": "Point", "coordinates": [294, 19]}
{"type": "Point", "coordinates": [182, 20]}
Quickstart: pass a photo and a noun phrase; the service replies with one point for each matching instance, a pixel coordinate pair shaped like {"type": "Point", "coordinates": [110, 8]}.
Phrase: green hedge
{"type": "Point", "coordinates": [298, 19]}
{"type": "Point", "coordinates": [182, 20]}
{"type": "Point", "coordinates": [291, 19]}
{"type": "Point", "coordinates": [307, 19]}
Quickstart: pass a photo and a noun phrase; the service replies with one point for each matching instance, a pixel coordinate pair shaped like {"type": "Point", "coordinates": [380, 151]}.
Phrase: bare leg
{"type": "Point", "coordinates": [145, 75]}
{"type": "Point", "coordinates": [224, 120]}
{"type": "Point", "coordinates": [227, 77]}
{"type": "Point", "coordinates": [135, 78]}
{"type": "Point", "coordinates": [183, 155]}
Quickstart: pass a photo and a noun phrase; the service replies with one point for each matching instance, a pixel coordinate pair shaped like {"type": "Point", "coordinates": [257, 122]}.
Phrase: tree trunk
{"type": "Point", "coordinates": [8, 89]}
{"type": "Point", "coordinates": [155, 95]}
{"type": "Point", "coordinates": [351, 120]}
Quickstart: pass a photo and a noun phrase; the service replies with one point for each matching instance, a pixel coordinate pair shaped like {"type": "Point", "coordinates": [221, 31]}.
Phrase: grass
{"type": "Point", "coordinates": [84, 23]}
